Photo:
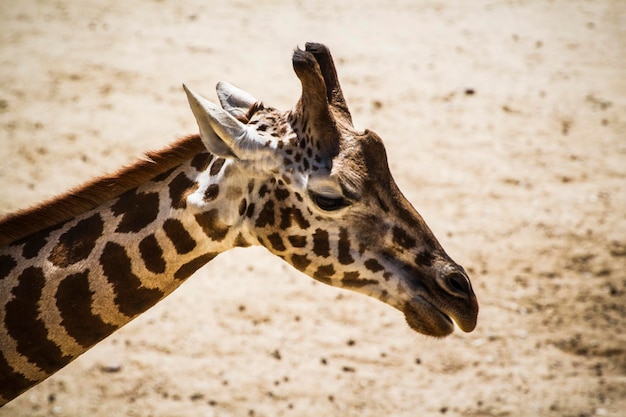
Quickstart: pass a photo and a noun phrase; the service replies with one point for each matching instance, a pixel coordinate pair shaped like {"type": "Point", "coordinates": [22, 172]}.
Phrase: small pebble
{"type": "Point", "coordinates": [111, 368]}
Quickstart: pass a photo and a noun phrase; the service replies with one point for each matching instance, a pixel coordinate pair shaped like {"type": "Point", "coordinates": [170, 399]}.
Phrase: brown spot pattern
{"type": "Point", "coordinates": [217, 166]}
{"type": "Point", "coordinates": [277, 242]}
{"type": "Point", "coordinates": [351, 275]}
{"type": "Point", "coordinates": [300, 220]}
{"type": "Point", "coordinates": [250, 210]}
{"type": "Point", "coordinates": [179, 236]}
{"type": "Point", "coordinates": [373, 265]}
{"type": "Point", "coordinates": [354, 282]}
{"type": "Point", "coordinates": [163, 176]}
{"type": "Point", "coordinates": [285, 217]}
{"type": "Point", "coordinates": [243, 205]}
{"type": "Point", "coordinates": [35, 242]}
{"type": "Point", "coordinates": [241, 241]}
{"type": "Point", "coordinates": [382, 205]}
{"type": "Point", "coordinates": [131, 296]}
{"type": "Point", "coordinates": [77, 242]}
{"type": "Point", "coordinates": [211, 225]}
{"type": "Point", "coordinates": [300, 262]}
{"type": "Point", "coordinates": [297, 241]}
{"type": "Point", "coordinates": [324, 273]}
{"type": "Point", "coordinates": [152, 254]}
{"type": "Point", "coordinates": [12, 383]}
{"type": "Point", "coordinates": [281, 194]}
{"type": "Point", "coordinates": [211, 193]}
{"type": "Point", "coordinates": [179, 189]}
{"type": "Point", "coordinates": [7, 263]}
{"type": "Point", "coordinates": [201, 161]}
{"type": "Point", "coordinates": [424, 258]}
{"type": "Point", "coordinates": [288, 215]}
{"type": "Point", "coordinates": [344, 256]}
{"type": "Point", "coordinates": [26, 328]}
{"type": "Point", "coordinates": [73, 299]}
{"type": "Point", "coordinates": [138, 210]}
{"type": "Point", "coordinates": [266, 216]}
{"type": "Point", "coordinates": [192, 266]}
{"type": "Point", "coordinates": [402, 238]}
{"type": "Point", "coordinates": [321, 245]}
{"type": "Point", "coordinates": [263, 190]}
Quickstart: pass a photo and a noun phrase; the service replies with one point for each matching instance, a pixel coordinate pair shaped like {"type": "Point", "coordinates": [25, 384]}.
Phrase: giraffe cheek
{"type": "Point", "coordinates": [297, 241]}
{"type": "Point", "coordinates": [324, 273]}
{"type": "Point", "coordinates": [354, 281]}
{"type": "Point", "coordinates": [301, 262]}
{"type": "Point", "coordinates": [343, 248]}
{"type": "Point", "coordinates": [276, 242]}
{"type": "Point", "coordinates": [321, 243]}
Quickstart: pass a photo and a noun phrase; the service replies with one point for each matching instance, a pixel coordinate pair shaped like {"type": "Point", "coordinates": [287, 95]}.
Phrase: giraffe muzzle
{"type": "Point", "coordinates": [434, 310]}
{"type": "Point", "coordinates": [423, 317]}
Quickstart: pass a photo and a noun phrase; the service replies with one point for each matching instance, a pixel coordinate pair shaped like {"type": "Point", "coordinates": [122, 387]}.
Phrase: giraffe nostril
{"type": "Point", "coordinates": [458, 283]}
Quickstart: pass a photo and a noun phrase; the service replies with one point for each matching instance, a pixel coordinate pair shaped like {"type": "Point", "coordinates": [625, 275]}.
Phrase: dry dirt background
{"type": "Point", "coordinates": [505, 124]}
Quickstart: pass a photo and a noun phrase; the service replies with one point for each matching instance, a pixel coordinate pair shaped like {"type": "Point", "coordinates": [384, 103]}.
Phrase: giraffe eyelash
{"type": "Point", "coordinates": [329, 203]}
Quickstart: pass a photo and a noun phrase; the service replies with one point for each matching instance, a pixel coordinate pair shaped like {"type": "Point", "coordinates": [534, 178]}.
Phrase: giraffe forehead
{"type": "Point", "coordinates": [358, 168]}
{"type": "Point", "coordinates": [361, 166]}
{"type": "Point", "coordinates": [296, 136]}
{"type": "Point", "coordinates": [270, 122]}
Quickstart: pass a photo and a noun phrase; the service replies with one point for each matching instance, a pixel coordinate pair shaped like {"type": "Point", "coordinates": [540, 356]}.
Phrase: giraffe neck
{"type": "Point", "coordinates": [65, 288]}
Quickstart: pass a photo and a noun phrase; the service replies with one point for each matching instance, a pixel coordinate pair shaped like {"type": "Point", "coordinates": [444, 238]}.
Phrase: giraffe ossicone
{"type": "Point", "coordinates": [305, 184]}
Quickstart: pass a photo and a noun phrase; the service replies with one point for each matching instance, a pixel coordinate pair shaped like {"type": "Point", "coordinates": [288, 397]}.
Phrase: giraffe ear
{"type": "Point", "coordinates": [234, 100]}
{"type": "Point", "coordinates": [221, 133]}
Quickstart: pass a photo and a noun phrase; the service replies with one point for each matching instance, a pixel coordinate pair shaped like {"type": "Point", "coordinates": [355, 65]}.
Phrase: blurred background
{"type": "Point", "coordinates": [505, 126]}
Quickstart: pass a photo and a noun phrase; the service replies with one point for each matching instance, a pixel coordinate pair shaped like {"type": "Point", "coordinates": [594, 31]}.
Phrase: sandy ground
{"type": "Point", "coordinates": [505, 124]}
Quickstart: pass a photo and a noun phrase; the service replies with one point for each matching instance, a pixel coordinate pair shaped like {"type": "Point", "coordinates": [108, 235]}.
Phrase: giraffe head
{"type": "Point", "coordinates": [320, 195]}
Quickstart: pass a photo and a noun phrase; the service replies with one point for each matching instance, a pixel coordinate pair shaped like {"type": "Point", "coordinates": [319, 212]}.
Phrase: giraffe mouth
{"type": "Point", "coordinates": [423, 317]}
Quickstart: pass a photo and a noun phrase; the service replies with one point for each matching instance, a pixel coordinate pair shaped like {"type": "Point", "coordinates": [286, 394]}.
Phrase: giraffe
{"type": "Point", "coordinates": [305, 184]}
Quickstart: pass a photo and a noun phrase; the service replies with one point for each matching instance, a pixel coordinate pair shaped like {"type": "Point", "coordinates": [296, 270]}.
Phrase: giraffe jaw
{"type": "Point", "coordinates": [423, 317]}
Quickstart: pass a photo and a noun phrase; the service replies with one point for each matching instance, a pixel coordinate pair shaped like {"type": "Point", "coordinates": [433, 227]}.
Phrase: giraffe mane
{"type": "Point", "coordinates": [49, 213]}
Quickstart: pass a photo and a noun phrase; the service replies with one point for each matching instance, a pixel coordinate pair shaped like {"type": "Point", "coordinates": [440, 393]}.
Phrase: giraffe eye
{"type": "Point", "coordinates": [328, 203]}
